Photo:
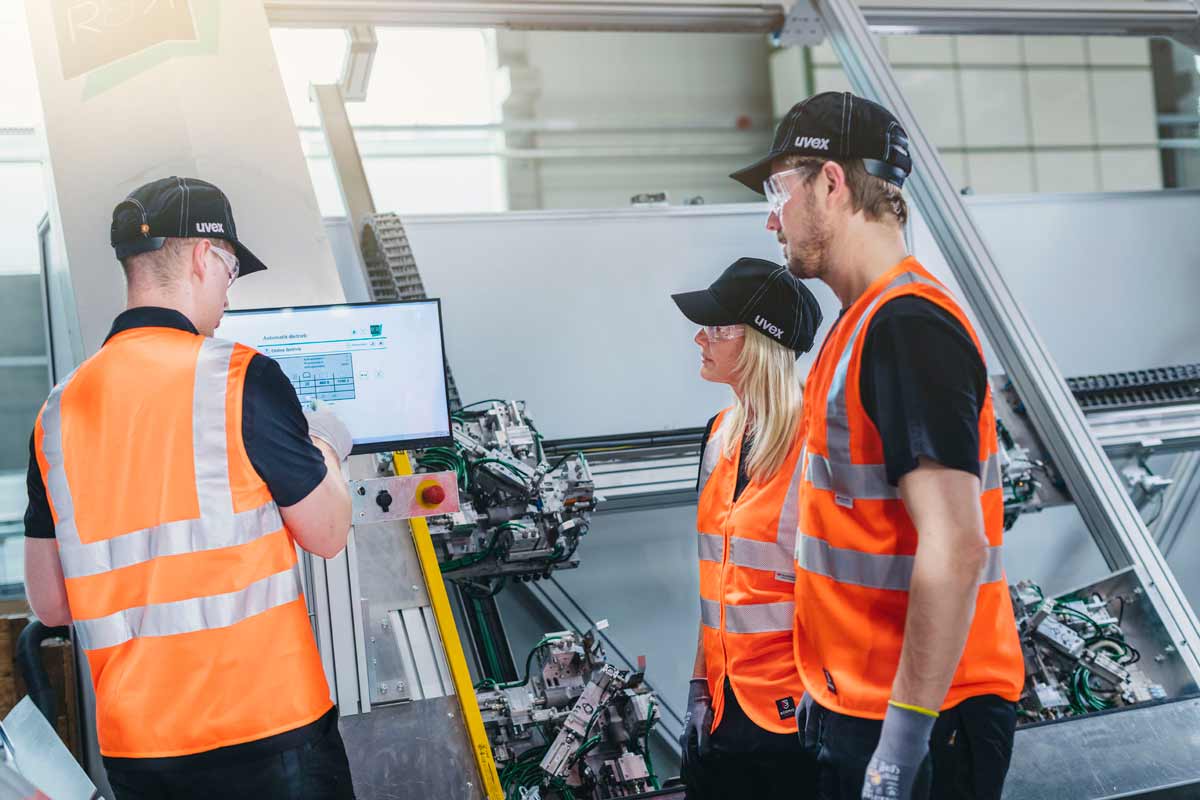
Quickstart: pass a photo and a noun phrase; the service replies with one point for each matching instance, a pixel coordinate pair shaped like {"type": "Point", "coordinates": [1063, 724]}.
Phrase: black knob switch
{"type": "Point", "coordinates": [384, 499]}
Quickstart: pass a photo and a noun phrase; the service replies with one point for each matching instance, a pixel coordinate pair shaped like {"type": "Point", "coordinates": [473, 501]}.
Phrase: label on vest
{"type": "Point", "coordinates": [844, 500]}
{"type": "Point", "coordinates": [786, 577]}
{"type": "Point", "coordinates": [786, 707]}
{"type": "Point", "coordinates": [829, 684]}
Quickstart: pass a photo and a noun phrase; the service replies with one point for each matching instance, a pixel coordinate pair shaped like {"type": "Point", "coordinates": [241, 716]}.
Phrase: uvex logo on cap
{"type": "Point", "coordinates": [812, 143]}
{"type": "Point", "coordinates": [210, 227]}
{"type": "Point", "coordinates": [769, 326]}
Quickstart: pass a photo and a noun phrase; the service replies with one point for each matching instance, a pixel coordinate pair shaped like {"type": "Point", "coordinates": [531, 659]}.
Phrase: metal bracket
{"type": "Point", "coordinates": [803, 26]}
{"type": "Point", "coordinates": [361, 45]}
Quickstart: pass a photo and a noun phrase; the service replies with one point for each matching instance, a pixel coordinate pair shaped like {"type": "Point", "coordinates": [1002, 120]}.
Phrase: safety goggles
{"type": "Point", "coordinates": [777, 188]}
{"type": "Point", "coordinates": [723, 333]}
{"type": "Point", "coordinates": [231, 262]}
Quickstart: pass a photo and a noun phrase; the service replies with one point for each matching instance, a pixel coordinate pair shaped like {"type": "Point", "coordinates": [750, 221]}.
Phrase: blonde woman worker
{"type": "Point", "coordinates": [739, 737]}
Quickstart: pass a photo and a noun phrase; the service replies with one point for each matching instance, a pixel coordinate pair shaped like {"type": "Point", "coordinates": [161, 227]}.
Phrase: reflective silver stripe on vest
{"type": "Point", "coordinates": [189, 616]}
{"type": "Point", "coordinates": [789, 515]}
{"type": "Point", "coordinates": [857, 481]}
{"type": "Point", "coordinates": [837, 417]}
{"type": "Point", "coordinates": [990, 473]}
{"type": "Point", "coordinates": [870, 482]}
{"type": "Point", "coordinates": [760, 618]}
{"type": "Point", "coordinates": [217, 527]}
{"type": "Point", "coordinates": [768, 556]}
{"type": "Point", "coordinates": [713, 450]}
{"type": "Point", "coordinates": [170, 539]}
{"type": "Point", "coordinates": [873, 570]}
{"type": "Point", "coordinates": [710, 613]}
{"type": "Point", "coordinates": [57, 489]}
{"type": "Point", "coordinates": [208, 429]}
{"type": "Point", "coordinates": [712, 547]}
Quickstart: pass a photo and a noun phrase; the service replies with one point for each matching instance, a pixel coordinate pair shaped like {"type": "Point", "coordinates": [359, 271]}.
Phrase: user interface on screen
{"type": "Point", "coordinates": [380, 365]}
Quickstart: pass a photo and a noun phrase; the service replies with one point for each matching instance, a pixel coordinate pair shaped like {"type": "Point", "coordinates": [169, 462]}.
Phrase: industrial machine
{"type": "Point", "coordinates": [572, 725]}
{"type": "Point", "coordinates": [1084, 650]}
{"type": "Point", "coordinates": [575, 726]}
{"type": "Point", "coordinates": [520, 515]}
{"type": "Point", "coordinates": [1134, 415]}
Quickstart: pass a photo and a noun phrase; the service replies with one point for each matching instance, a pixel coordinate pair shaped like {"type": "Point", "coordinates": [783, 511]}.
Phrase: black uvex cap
{"type": "Point", "coordinates": [841, 126]}
{"type": "Point", "coordinates": [176, 207]}
{"type": "Point", "coordinates": [761, 294]}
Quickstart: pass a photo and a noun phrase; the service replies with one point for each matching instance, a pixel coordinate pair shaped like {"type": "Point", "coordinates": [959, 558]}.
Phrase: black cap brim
{"type": "Point", "coordinates": [703, 309]}
{"type": "Point", "coordinates": [248, 263]}
{"type": "Point", "coordinates": [754, 176]}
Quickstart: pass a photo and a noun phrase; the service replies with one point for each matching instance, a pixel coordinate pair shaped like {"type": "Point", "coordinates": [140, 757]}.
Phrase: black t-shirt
{"type": "Point", "coordinates": [273, 428]}
{"type": "Point", "coordinates": [923, 383]}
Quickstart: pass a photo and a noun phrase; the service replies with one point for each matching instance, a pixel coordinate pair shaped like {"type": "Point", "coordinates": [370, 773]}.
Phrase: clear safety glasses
{"type": "Point", "coordinates": [777, 188]}
{"type": "Point", "coordinates": [723, 333]}
{"type": "Point", "coordinates": [232, 266]}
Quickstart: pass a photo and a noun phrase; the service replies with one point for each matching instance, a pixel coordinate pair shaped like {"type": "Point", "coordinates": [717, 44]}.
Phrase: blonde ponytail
{"type": "Point", "coordinates": [769, 408]}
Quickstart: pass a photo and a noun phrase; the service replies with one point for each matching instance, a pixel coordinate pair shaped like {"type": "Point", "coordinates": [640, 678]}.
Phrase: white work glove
{"type": "Point", "coordinates": [895, 766]}
{"type": "Point", "coordinates": [324, 424]}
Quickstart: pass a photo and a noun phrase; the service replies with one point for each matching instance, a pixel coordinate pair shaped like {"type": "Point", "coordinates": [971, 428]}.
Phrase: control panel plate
{"type": "Point", "coordinates": [403, 497]}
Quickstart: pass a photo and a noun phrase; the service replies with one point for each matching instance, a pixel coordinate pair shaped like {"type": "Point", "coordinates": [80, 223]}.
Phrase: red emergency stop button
{"type": "Point", "coordinates": [433, 495]}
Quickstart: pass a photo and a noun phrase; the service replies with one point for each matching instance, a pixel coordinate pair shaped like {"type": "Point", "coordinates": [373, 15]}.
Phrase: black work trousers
{"type": "Point", "coordinates": [969, 751]}
{"type": "Point", "coordinates": [743, 761]}
{"type": "Point", "coordinates": [317, 770]}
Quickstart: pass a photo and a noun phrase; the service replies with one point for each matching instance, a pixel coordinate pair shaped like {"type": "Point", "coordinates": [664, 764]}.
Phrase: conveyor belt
{"type": "Point", "coordinates": [392, 272]}
{"type": "Point", "coordinates": [1141, 388]}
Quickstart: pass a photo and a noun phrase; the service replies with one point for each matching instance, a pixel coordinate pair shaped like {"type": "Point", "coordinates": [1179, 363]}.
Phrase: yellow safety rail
{"type": "Point", "coordinates": [453, 645]}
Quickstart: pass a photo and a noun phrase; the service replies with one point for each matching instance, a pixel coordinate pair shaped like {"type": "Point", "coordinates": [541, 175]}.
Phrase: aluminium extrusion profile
{"type": "Point", "coordinates": [1180, 502]}
{"type": "Point", "coordinates": [1110, 515]}
{"type": "Point", "coordinates": [1175, 18]}
{"type": "Point", "coordinates": [663, 15]}
{"type": "Point", "coordinates": [1033, 17]}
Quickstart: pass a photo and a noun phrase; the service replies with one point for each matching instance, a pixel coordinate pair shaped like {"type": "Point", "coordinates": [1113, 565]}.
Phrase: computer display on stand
{"type": "Point", "coordinates": [381, 365]}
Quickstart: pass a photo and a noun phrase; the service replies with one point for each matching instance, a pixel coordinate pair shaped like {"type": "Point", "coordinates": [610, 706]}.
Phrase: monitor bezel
{"type": "Point", "coordinates": [390, 445]}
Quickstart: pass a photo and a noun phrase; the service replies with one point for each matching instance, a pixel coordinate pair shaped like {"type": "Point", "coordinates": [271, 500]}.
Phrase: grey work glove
{"type": "Point", "coordinates": [896, 763]}
{"type": "Point", "coordinates": [324, 424]}
{"type": "Point", "coordinates": [697, 723]}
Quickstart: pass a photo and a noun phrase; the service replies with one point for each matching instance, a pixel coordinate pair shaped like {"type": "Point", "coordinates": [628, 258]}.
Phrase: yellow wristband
{"type": "Point", "coordinates": [917, 709]}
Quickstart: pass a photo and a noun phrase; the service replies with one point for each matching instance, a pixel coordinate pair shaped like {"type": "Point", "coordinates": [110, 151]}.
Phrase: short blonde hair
{"type": "Point", "coordinates": [878, 199]}
{"type": "Point", "coordinates": [162, 267]}
{"type": "Point", "coordinates": [769, 408]}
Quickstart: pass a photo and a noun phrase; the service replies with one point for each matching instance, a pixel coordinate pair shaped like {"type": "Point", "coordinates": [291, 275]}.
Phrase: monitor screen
{"type": "Point", "coordinates": [380, 365]}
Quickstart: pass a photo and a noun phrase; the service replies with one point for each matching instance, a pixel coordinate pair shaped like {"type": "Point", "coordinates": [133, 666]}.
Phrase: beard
{"type": "Point", "coordinates": [808, 254]}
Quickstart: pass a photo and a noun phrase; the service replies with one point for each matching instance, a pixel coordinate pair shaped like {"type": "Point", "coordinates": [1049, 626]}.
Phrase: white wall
{"type": "Point", "coordinates": [1014, 114]}
{"type": "Point", "coordinates": [640, 80]}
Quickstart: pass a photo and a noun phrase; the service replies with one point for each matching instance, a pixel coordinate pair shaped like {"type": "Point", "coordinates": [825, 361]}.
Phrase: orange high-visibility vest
{"type": "Point", "coordinates": [181, 576]}
{"type": "Point", "coordinates": [746, 578]}
{"type": "Point", "coordinates": [855, 548]}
